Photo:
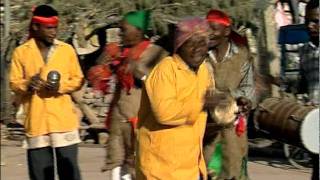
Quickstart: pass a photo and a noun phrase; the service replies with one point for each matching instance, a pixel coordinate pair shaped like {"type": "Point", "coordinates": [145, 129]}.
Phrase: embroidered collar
{"type": "Point", "coordinates": [181, 64]}
{"type": "Point", "coordinates": [32, 44]}
{"type": "Point", "coordinates": [232, 50]}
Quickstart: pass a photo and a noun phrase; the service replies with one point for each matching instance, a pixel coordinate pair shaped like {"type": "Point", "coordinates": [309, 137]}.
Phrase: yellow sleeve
{"type": "Point", "coordinates": [162, 93]}
{"type": "Point", "coordinates": [75, 80]}
{"type": "Point", "coordinates": [18, 82]}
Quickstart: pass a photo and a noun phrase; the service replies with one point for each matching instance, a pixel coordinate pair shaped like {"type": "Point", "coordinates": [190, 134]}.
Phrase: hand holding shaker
{"type": "Point", "coordinates": [53, 80]}
{"type": "Point", "coordinates": [36, 83]}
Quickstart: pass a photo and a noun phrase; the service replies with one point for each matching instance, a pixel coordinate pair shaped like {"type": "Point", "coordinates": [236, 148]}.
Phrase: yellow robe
{"type": "Point", "coordinates": [45, 113]}
{"type": "Point", "coordinates": [171, 122]}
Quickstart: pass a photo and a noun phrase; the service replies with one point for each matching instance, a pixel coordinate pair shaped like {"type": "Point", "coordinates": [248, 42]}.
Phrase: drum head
{"type": "Point", "coordinates": [310, 131]}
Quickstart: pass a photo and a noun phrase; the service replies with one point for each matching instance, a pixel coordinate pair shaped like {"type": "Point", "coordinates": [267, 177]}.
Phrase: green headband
{"type": "Point", "coordinates": [138, 19]}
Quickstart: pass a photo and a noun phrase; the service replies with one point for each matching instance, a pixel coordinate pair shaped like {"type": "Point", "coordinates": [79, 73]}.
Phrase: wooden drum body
{"type": "Point", "coordinates": [282, 120]}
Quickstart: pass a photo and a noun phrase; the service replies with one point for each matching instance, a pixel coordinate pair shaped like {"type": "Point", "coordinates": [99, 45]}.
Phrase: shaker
{"type": "Point", "coordinates": [53, 78]}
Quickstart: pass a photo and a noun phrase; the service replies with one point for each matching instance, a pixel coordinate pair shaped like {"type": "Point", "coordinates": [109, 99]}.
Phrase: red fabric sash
{"type": "Point", "coordinates": [135, 52]}
{"type": "Point", "coordinates": [98, 77]}
{"type": "Point", "coordinates": [54, 20]}
{"type": "Point", "coordinates": [219, 17]}
{"type": "Point", "coordinates": [126, 79]}
{"type": "Point", "coordinates": [50, 21]}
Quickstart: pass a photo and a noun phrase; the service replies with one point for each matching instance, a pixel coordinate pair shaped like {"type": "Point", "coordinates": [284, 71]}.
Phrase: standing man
{"type": "Point", "coordinates": [171, 117]}
{"type": "Point", "coordinates": [309, 53]}
{"type": "Point", "coordinates": [137, 59]}
{"type": "Point", "coordinates": [232, 68]}
{"type": "Point", "coordinates": [309, 62]}
{"type": "Point", "coordinates": [51, 123]}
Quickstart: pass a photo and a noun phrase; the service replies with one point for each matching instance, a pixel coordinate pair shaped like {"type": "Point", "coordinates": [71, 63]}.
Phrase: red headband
{"type": "Point", "coordinates": [219, 17]}
{"type": "Point", "coordinates": [45, 20]}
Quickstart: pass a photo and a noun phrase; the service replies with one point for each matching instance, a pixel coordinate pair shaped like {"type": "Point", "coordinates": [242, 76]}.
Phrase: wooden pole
{"type": "Point", "coordinates": [6, 17]}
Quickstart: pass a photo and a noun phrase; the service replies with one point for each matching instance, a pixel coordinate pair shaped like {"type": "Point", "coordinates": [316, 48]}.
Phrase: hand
{"type": "Point", "coordinates": [135, 70]}
{"type": "Point", "coordinates": [36, 83]}
{"type": "Point", "coordinates": [131, 66]}
{"type": "Point", "coordinates": [244, 105]}
{"type": "Point", "coordinates": [276, 80]}
{"type": "Point", "coordinates": [213, 99]}
{"type": "Point", "coordinates": [52, 87]}
{"type": "Point", "coordinates": [105, 59]}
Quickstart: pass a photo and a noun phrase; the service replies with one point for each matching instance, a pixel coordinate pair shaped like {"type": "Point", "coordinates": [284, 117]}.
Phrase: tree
{"type": "Point", "coordinates": [164, 12]}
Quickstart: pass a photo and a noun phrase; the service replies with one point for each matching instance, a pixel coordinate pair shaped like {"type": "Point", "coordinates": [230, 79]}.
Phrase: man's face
{"type": "Point", "coordinates": [194, 50]}
{"type": "Point", "coordinates": [46, 33]}
{"type": "Point", "coordinates": [219, 33]}
{"type": "Point", "coordinates": [130, 34]}
{"type": "Point", "coordinates": [312, 22]}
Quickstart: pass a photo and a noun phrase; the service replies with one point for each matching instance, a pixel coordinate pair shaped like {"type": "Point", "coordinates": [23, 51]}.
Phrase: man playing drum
{"type": "Point", "coordinates": [232, 69]}
{"type": "Point", "coordinates": [309, 63]}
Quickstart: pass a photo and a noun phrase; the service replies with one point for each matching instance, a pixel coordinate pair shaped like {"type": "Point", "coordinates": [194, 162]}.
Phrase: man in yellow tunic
{"type": "Point", "coordinates": [139, 56]}
{"type": "Point", "coordinates": [51, 123]}
{"type": "Point", "coordinates": [171, 117]}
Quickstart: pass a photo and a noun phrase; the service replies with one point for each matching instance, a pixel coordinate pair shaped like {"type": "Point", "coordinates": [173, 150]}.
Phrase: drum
{"type": "Point", "coordinates": [225, 111]}
{"type": "Point", "coordinates": [289, 122]}
{"type": "Point", "coordinates": [310, 131]}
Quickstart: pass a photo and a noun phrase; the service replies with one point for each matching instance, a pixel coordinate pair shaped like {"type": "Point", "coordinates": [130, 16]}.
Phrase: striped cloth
{"type": "Point", "coordinates": [247, 86]}
{"type": "Point", "coordinates": [309, 63]}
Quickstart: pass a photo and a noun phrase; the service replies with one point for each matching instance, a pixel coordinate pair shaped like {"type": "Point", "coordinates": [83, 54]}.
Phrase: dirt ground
{"type": "Point", "coordinates": [91, 159]}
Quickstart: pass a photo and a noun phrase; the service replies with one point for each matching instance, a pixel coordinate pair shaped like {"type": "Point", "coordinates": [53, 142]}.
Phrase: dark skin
{"type": "Point", "coordinates": [219, 39]}
{"type": "Point", "coordinates": [219, 42]}
{"type": "Point", "coordinates": [212, 99]}
{"type": "Point", "coordinates": [193, 52]}
{"type": "Point", "coordinates": [312, 22]}
{"type": "Point", "coordinates": [132, 36]}
{"type": "Point", "coordinates": [44, 36]}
